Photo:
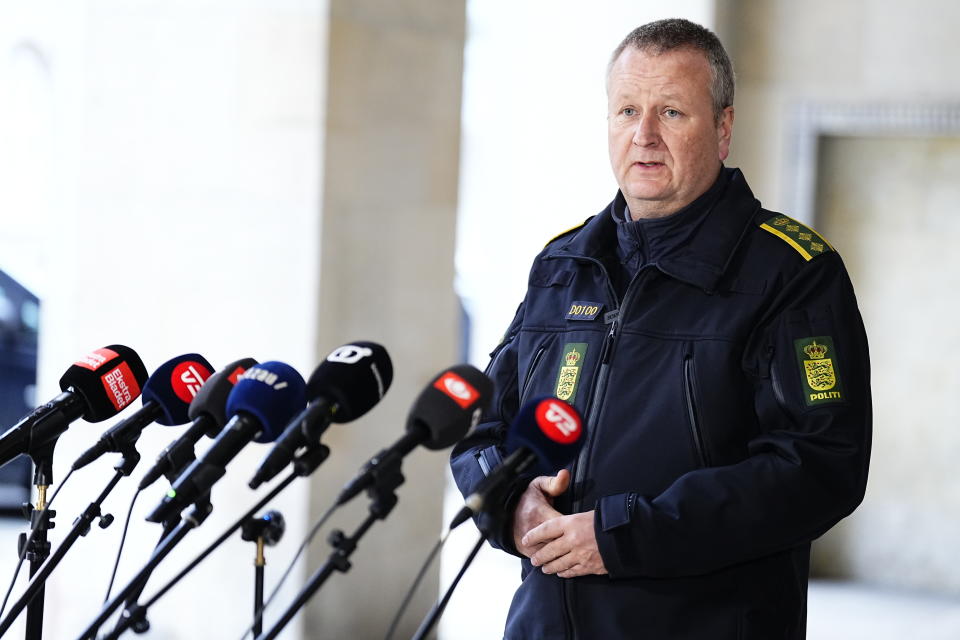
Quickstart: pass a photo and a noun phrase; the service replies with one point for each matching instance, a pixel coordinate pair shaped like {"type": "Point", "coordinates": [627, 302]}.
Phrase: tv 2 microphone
{"type": "Point", "coordinates": [166, 397]}
{"type": "Point", "coordinates": [347, 384]}
{"type": "Point", "coordinates": [544, 437]}
{"type": "Point", "coordinates": [262, 402]}
{"type": "Point", "coordinates": [441, 415]}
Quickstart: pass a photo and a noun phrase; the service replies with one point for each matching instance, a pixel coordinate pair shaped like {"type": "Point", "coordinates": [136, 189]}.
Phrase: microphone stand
{"type": "Point", "coordinates": [191, 520]}
{"type": "Point", "coordinates": [262, 531]}
{"type": "Point", "coordinates": [303, 466]}
{"type": "Point", "coordinates": [81, 526]}
{"type": "Point", "coordinates": [386, 479]}
{"type": "Point", "coordinates": [175, 466]}
{"type": "Point", "coordinates": [41, 520]}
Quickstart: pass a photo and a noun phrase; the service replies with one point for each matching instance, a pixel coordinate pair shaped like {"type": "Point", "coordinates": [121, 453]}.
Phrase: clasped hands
{"type": "Point", "coordinates": [559, 544]}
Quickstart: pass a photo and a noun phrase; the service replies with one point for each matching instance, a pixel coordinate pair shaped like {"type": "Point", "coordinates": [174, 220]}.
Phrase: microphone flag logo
{"type": "Point", "coordinates": [186, 379]}
{"type": "Point", "coordinates": [95, 359]}
{"type": "Point", "coordinates": [349, 354]}
{"type": "Point", "coordinates": [558, 420]}
{"type": "Point", "coordinates": [121, 385]}
{"type": "Point", "coordinates": [457, 388]}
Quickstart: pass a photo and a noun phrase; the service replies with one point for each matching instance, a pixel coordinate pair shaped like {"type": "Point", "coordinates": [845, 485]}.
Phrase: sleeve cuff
{"type": "Point", "coordinates": [611, 517]}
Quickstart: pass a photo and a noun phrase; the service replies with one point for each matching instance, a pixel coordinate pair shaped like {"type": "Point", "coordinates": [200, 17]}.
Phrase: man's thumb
{"type": "Point", "coordinates": [557, 484]}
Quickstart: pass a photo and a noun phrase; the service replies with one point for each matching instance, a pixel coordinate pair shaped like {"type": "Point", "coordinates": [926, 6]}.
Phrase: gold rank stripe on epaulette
{"type": "Point", "coordinates": [573, 228]}
{"type": "Point", "coordinates": [805, 240]}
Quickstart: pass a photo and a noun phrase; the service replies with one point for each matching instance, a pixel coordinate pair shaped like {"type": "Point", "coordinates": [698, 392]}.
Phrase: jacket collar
{"type": "Point", "coordinates": [702, 261]}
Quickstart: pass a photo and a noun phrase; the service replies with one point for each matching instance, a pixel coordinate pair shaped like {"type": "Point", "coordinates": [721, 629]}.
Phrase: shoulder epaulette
{"type": "Point", "coordinates": [805, 240]}
{"type": "Point", "coordinates": [570, 230]}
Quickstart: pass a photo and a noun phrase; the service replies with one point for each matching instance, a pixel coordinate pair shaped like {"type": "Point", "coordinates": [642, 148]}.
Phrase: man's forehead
{"type": "Point", "coordinates": [670, 71]}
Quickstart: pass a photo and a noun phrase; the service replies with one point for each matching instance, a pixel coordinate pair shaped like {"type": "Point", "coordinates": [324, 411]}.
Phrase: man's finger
{"type": "Point", "coordinates": [545, 532]}
{"type": "Point", "coordinates": [549, 553]}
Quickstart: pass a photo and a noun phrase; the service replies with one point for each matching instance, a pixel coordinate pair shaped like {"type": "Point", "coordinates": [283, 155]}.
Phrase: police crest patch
{"type": "Point", "coordinates": [568, 377]}
{"type": "Point", "coordinates": [819, 370]}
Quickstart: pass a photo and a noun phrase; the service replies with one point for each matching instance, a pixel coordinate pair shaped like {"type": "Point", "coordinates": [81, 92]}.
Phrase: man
{"type": "Point", "coordinates": [718, 356]}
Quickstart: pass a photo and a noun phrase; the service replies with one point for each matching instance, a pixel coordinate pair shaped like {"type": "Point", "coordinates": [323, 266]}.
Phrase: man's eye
{"type": "Point", "coordinates": [629, 111]}
{"type": "Point", "coordinates": [671, 113]}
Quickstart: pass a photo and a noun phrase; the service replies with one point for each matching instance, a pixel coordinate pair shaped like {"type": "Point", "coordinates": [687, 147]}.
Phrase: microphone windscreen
{"type": "Point", "coordinates": [107, 379]}
{"type": "Point", "coordinates": [211, 399]}
{"type": "Point", "coordinates": [551, 429]}
{"type": "Point", "coordinates": [272, 392]}
{"type": "Point", "coordinates": [451, 405]}
{"type": "Point", "coordinates": [355, 376]}
{"type": "Point", "coordinates": [175, 384]}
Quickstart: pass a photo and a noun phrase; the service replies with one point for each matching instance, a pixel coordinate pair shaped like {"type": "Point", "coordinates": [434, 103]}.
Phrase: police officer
{"type": "Point", "coordinates": [718, 355]}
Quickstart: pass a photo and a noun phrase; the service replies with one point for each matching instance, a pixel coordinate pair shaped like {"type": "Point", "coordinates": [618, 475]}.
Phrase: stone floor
{"type": "Point", "coordinates": [849, 611]}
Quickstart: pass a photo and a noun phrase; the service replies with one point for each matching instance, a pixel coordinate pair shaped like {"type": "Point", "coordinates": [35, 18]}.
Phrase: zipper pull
{"type": "Point", "coordinates": [611, 319]}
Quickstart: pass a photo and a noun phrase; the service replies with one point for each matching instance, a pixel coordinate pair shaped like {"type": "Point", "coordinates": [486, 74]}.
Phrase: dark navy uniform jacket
{"type": "Point", "coordinates": [726, 392]}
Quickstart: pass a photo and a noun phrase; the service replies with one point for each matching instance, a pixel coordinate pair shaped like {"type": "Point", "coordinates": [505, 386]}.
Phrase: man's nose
{"type": "Point", "coordinates": [647, 132]}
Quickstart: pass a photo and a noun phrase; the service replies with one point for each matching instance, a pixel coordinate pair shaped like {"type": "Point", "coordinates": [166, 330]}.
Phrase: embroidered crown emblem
{"type": "Point", "coordinates": [571, 358]}
{"type": "Point", "coordinates": [815, 351]}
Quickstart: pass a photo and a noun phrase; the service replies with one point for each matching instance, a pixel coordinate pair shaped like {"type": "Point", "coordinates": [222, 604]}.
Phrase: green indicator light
{"type": "Point", "coordinates": [171, 494]}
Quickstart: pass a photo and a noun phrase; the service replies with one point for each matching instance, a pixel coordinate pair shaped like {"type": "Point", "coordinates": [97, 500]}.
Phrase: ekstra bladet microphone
{"type": "Point", "coordinates": [542, 439]}
{"type": "Point", "coordinates": [347, 384]}
{"type": "Point", "coordinates": [208, 414]}
{"type": "Point", "coordinates": [96, 387]}
{"type": "Point", "coordinates": [166, 397]}
{"type": "Point", "coordinates": [261, 404]}
{"type": "Point", "coordinates": [441, 415]}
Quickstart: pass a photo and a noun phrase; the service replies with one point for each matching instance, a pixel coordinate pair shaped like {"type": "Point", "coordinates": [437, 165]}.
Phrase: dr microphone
{"type": "Point", "coordinates": [262, 402]}
{"type": "Point", "coordinates": [166, 397]}
{"type": "Point", "coordinates": [441, 415]}
{"type": "Point", "coordinates": [348, 383]}
{"type": "Point", "coordinates": [543, 438]}
{"type": "Point", "coordinates": [96, 387]}
{"type": "Point", "coordinates": [208, 413]}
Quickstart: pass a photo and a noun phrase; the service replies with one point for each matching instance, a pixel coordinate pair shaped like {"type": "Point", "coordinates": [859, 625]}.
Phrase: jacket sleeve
{"type": "Point", "coordinates": [806, 466]}
{"type": "Point", "coordinates": [481, 450]}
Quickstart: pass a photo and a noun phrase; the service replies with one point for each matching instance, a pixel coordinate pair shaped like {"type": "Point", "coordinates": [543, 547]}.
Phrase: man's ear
{"type": "Point", "coordinates": [725, 132]}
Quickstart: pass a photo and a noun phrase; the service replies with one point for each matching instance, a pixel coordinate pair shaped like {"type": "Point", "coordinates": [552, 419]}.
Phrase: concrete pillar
{"type": "Point", "coordinates": [389, 208]}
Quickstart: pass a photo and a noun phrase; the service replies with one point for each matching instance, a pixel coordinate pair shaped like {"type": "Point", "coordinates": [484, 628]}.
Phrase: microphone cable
{"type": "Point", "coordinates": [123, 539]}
{"type": "Point", "coordinates": [303, 545]}
{"type": "Point", "coordinates": [29, 541]}
{"type": "Point", "coordinates": [438, 608]}
{"type": "Point", "coordinates": [416, 583]}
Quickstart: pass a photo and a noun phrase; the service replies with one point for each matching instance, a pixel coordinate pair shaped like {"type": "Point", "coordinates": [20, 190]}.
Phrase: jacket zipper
{"type": "Point", "coordinates": [692, 414]}
{"type": "Point", "coordinates": [566, 586]}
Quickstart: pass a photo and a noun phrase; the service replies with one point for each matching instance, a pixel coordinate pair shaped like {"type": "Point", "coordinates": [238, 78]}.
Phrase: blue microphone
{"type": "Point", "coordinates": [543, 438]}
{"type": "Point", "coordinates": [166, 396]}
{"type": "Point", "coordinates": [261, 404]}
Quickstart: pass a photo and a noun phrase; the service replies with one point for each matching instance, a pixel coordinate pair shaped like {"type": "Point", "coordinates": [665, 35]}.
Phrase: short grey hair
{"type": "Point", "coordinates": [676, 33]}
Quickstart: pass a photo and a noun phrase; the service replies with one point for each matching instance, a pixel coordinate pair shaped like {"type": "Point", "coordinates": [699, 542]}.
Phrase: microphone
{"type": "Point", "coordinates": [347, 384]}
{"type": "Point", "coordinates": [207, 413]}
{"type": "Point", "coordinates": [96, 387]}
{"type": "Point", "coordinates": [263, 400]}
{"type": "Point", "coordinates": [544, 437]}
{"type": "Point", "coordinates": [442, 414]}
{"type": "Point", "coordinates": [166, 397]}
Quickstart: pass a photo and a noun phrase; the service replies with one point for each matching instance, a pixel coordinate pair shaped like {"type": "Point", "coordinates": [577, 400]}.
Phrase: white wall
{"type": "Point", "coordinates": [159, 187]}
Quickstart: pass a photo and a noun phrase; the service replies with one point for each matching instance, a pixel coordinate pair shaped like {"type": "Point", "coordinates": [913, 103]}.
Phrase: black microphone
{"type": "Point", "coordinates": [96, 387]}
{"type": "Point", "coordinates": [441, 415]}
{"type": "Point", "coordinates": [544, 437]}
{"type": "Point", "coordinates": [166, 398]}
{"type": "Point", "coordinates": [262, 402]}
{"type": "Point", "coordinates": [207, 411]}
{"type": "Point", "coordinates": [347, 384]}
